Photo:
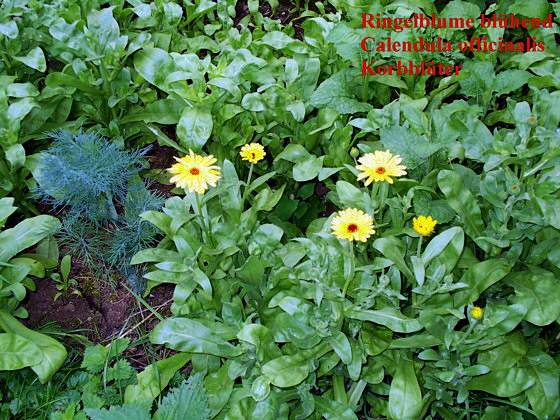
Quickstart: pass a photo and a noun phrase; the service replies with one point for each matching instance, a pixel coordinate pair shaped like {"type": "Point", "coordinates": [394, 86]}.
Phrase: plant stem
{"type": "Point", "coordinates": [349, 259]}
{"type": "Point", "coordinates": [203, 219]}
{"type": "Point", "coordinates": [419, 248]}
{"type": "Point", "coordinates": [246, 190]}
{"type": "Point", "coordinates": [467, 333]}
{"type": "Point", "coordinates": [384, 190]}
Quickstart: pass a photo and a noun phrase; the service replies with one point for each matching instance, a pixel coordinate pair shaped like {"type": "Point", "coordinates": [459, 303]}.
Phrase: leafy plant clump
{"type": "Point", "coordinates": [88, 178]}
{"type": "Point", "coordinates": [105, 386]}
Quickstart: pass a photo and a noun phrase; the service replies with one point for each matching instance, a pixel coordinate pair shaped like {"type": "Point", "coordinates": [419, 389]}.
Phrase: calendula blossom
{"type": "Point", "coordinates": [423, 225]}
{"type": "Point", "coordinates": [195, 172]}
{"type": "Point", "coordinates": [352, 225]}
{"type": "Point", "coordinates": [380, 166]}
{"type": "Point", "coordinates": [477, 312]}
{"type": "Point", "coordinates": [252, 152]}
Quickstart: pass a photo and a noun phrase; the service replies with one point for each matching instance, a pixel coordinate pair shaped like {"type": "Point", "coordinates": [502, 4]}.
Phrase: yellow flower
{"type": "Point", "coordinates": [477, 312]}
{"type": "Point", "coordinates": [380, 166]}
{"type": "Point", "coordinates": [252, 152]}
{"type": "Point", "coordinates": [352, 225]}
{"type": "Point", "coordinates": [194, 172]}
{"type": "Point", "coordinates": [423, 225]}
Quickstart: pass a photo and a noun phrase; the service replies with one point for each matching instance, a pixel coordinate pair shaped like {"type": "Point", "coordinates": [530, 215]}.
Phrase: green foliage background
{"type": "Point", "coordinates": [259, 308]}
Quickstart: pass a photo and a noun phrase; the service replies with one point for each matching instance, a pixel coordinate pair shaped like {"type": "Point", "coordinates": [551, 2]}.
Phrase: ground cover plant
{"type": "Point", "coordinates": [229, 222]}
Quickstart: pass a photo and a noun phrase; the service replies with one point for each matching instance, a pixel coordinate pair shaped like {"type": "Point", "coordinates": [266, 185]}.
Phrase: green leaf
{"type": "Point", "coordinates": [462, 201]}
{"type": "Point", "coordinates": [308, 169]}
{"type": "Point", "coordinates": [195, 127]}
{"type": "Point", "coordinates": [154, 65]}
{"type": "Point", "coordinates": [534, 9]}
{"type": "Point", "coordinates": [412, 148]}
{"type": "Point", "coordinates": [277, 39]}
{"type": "Point", "coordinates": [480, 277]}
{"type": "Point", "coordinates": [393, 249]}
{"type": "Point", "coordinates": [445, 249]}
{"type": "Point", "coordinates": [188, 401]}
{"type": "Point", "coordinates": [124, 412]}
{"type": "Point", "coordinates": [154, 378]}
{"type": "Point", "coordinates": [164, 111]}
{"type": "Point", "coordinates": [538, 291]}
{"type": "Point", "coordinates": [287, 371]}
{"type": "Point", "coordinates": [336, 93]}
{"type": "Point", "coordinates": [191, 336]}
{"type": "Point", "coordinates": [333, 410]}
{"type": "Point", "coordinates": [253, 102]}
{"type": "Point", "coordinates": [510, 80]}
{"type": "Point", "coordinates": [25, 234]}
{"type": "Point", "coordinates": [53, 352]}
{"type": "Point", "coordinates": [543, 395]}
{"type": "Point", "coordinates": [17, 352]}
{"type": "Point", "coordinates": [340, 344]}
{"type": "Point", "coordinates": [351, 196]}
{"type": "Point", "coordinates": [405, 397]}
{"type": "Point", "coordinates": [35, 59]}
{"type": "Point", "coordinates": [502, 382]}
{"type": "Point", "coordinates": [9, 29]}
{"type": "Point", "coordinates": [391, 318]}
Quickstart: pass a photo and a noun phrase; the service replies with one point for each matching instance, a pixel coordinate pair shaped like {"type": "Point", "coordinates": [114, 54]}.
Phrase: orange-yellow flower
{"type": "Point", "coordinates": [252, 152]}
{"type": "Point", "coordinates": [423, 225]}
{"type": "Point", "coordinates": [477, 312]}
{"type": "Point", "coordinates": [352, 225]}
{"type": "Point", "coordinates": [195, 172]}
{"type": "Point", "coordinates": [380, 166]}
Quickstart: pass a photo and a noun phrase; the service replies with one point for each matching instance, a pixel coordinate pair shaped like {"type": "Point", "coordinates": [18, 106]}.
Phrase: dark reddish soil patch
{"type": "Point", "coordinates": [286, 12]}
{"type": "Point", "coordinates": [161, 157]}
{"type": "Point", "coordinates": [98, 314]}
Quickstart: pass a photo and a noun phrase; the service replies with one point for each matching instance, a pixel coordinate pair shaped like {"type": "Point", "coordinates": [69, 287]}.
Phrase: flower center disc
{"type": "Point", "coordinates": [380, 170]}
{"type": "Point", "coordinates": [352, 228]}
{"type": "Point", "coordinates": [194, 171]}
{"type": "Point", "coordinates": [253, 155]}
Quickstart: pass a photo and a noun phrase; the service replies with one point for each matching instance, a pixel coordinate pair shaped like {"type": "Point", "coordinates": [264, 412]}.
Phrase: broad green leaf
{"type": "Point", "coordinates": [503, 382]}
{"type": "Point", "coordinates": [35, 59]}
{"type": "Point", "coordinates": [308, 169]}
{"type": "Point", "coordinates": [17, 352]}
{"type": "Point", "coordinates": [391, 318]}
{"type": "Point", "coordinates": [393, 249]}
{"type": "Point", "coordinates": [534, 9]}
{"type": "Point", "coordinates": [191, 336]}
{"type": "Point", "coordinates": [277, 39]}
{"type": "Point", "coordinates": [194, 127]}
{"type": "Point", "coordinates": [538, 291]}
{"type": "Point", "coordinates": [341, 346]}
{"type": "Point", "coordinates": [479, 278]}
{"type": "Point", "coordinates": [287, 371]}
{"type": "Point", "coordinates": [405, 396]}
{"type": "Point", "coordinates": [25, 234]}
{"type": "Point", "coordinates": [154, 65]}
{"type": "Point", "coordinates": [412, 148]}
{"type": "Point", "coordinates": [336, 93]}
{"type": "Point", "coordinates": [334, 410]}
{"type": "Point", "coordinates": [462, 201]}
{"type": "Point", "coordinates": [351, 196]}
{"type": "Point", "coordinates": [543, 395]}
{"type": "Point", "coordinates": [123, 412]}
{"type": "Point", "coordinates": [53, 352]}
{"type": "Point", "coordinates": [154, 378]}
{"type": "Point", "coordinates": [445, 248]}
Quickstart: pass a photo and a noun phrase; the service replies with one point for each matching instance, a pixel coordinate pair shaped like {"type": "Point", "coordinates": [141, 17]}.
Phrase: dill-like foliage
{"type": "Point", "coordinates": [86, 173]}
{"type": "Point", "coordinates": [97, 188]}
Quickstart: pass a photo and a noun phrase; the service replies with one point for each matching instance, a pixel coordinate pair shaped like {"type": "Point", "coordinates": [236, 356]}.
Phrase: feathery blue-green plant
{"type": "Point", "coordinates": [86, 174]}
{"type": "Point", "coordinates": [96, 186]}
